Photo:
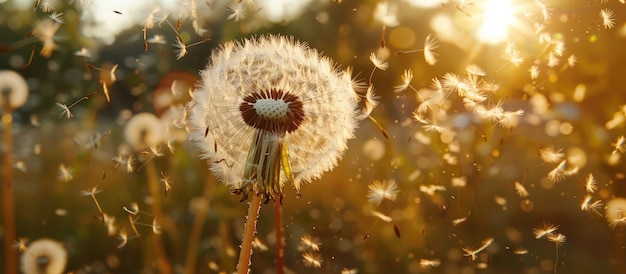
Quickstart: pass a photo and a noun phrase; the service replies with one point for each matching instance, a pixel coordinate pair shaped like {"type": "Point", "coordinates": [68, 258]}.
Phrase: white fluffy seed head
{"type": "Point", "coordinates": [144, 130]}
{"type": "Point", "coordinates": [249, 78]}
{"type": "Point", "coordinates": [13, 90]}
{"type": "Point", "coordinates": [44, 256]}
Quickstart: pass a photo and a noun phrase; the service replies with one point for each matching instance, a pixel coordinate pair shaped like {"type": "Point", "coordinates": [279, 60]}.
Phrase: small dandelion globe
{"type": "Point", "coordinates": [144, 130]}
{"type": "Point", "coordinates": [44, 256]}
{"type": "Point", "coordinates": [270, 110]}
{"type": "Point", "coordinates": [13, 90]}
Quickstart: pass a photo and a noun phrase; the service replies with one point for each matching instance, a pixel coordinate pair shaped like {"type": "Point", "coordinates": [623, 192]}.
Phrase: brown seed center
{"type": "Point", "coordinates": [272, 110]}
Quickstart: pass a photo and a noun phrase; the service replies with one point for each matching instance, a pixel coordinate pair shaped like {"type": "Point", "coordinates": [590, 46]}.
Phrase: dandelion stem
{"type": "Point", "coordinates": [153, 184]}
{"type": "Point", "coordinates": [248, 235]}
{"type": "Point", "coordinates": [280, 245]}
{"type": "Point", "coordinates": [196, 230]}
{"type": "Point", "coordinates": [7, 191]}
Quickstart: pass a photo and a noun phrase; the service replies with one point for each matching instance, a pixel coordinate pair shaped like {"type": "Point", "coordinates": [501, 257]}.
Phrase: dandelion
{"type": "Point", "coordinates": [144, 130]}
{"type": "Point", "coordinates": [258, 93]}
{"type": "Point", "coordinates": [44, 256]}
{"type": "Point", "coordinates": [550, 155]}
{"type": "Point", "coordinates": [608, 18]}
{"type": "Point", "coordinates": [65, 174]}
{"type": "Point", "coordinates": [406, 78]}
{"type": "Point", "coordinates": [309, 243]}
{"type": "Point", "coordinates": [382, 190]}
{"type": "Point", "coordinates": [379, 62]}
{"type": "Point", "coordinates": [544, 230]}
{"type": "Point", "coordinates": [65, 111]}
{"type": "Point", "coordinates": [430, 44]}
{"type": "Point", "coordinates": [237, 11]}
{"type": "Point", "coordinates": [313, 260]}
{"type": "Point", "coordinates": [166, 182]}
{"type": "Point", "coordinates": [270, 110]}
{"type": "Point", "coordinates": [45, 31]}
{"type": "Point", "coordinates": [13, 90]}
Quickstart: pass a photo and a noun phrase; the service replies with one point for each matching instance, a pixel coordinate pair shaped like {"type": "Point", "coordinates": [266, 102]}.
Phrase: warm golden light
{"type": "Point", "coordinates": [498, 16]}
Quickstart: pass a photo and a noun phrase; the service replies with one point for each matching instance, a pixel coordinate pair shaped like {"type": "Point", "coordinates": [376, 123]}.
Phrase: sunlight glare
{"type": "Point", "coordinates": [498, 15]}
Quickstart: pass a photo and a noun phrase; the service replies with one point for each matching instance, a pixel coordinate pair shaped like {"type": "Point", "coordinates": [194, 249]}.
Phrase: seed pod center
{"type": "Point", "coordinates": [273, 110]}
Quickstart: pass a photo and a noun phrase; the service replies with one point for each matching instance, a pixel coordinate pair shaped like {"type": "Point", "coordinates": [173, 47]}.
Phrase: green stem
{"type": "Point", "coordinates": [7, 191]}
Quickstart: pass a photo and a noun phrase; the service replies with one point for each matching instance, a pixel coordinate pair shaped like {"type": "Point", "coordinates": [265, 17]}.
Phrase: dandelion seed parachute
{"type": "Point", "coordinates": [280, 87]}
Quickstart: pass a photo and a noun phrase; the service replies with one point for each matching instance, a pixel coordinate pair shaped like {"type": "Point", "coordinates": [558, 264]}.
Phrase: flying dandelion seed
{"type": "Point", "coordinates": [312, 260]}
{"type": "Point", "coordinates": [475, 70]}
{"type": "Point", "coordinates": [615, 212]}
{"type": "Point", "coordinates": [288, 108]}
{"type": "Point", "coordinates": [386, 14]}
{"type": "Point", "coordinates": [379, 62]}
{"type": "Point", "coordinates": [406, 78]}
{"type": "Point", "coordinates": [430, 44]}
{"type": "Point", "coordinates": [591, 185]}
{"type": "Point", "coordinates": [381, 216]}
{"type": "Point", "coordinates": [534, 72]}
{"type": "Point", "coordinates": [123, 238]}
{"type": "Point", "coordinates": [591, 206]}
{"type": "Point", "coordinates": [473, 253]}
{"type": "Point", "coordinates": [521, 190]}
{"type": "Point", "coordinates": [45, 30]}
{"type": "Point", "coordinates": [382, 190]}
{"type": "Point", "coordinates": [309, 243]}
{"type": "Point", "coordinates": [559, 239]}
{"type": "Point", "coordinates": [544, 230]}
{"type": "Point", "coordinates": [237, 11]}
{"type": "Point", "coordinates": [550, 155]}
{"type": "Point", "coordinates": [65, 174]}
{"type": "Point", "coordinates": [608, 18]}
{"type": "Point", "coordinates": [109, 222]}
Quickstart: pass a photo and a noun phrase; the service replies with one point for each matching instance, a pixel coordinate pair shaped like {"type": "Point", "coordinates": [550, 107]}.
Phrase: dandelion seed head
{"type": "Point", "coordinates": [43, 256]}
{"type": "Point", "coordinates": [144, 130]}
{"type": "Point", "coordinates": [13, 90]}
{"type": "Point", "coordinates": [279, 88]}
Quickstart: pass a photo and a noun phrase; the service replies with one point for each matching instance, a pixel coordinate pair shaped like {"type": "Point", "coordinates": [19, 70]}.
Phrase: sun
{"type": "Point", "coordinates": [498, 16]}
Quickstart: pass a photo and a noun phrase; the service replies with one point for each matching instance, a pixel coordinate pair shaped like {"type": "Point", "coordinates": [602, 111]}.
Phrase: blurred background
{"type": "Point", "coordinates": [527, 179]}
